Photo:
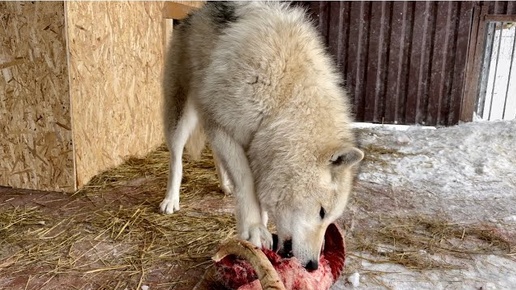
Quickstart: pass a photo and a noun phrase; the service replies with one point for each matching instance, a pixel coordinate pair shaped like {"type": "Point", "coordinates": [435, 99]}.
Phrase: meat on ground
{"type": "Point", "coordinates": [242, 266]}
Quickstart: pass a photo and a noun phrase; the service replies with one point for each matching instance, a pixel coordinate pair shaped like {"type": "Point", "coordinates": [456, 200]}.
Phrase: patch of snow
{"type": "Point", "coordinates": [466, 173]}
{"type": "Point", "coordinates": [483, 272]}
{"type": "Point", "coordinates": [463, 160]}
{"type": "Point", "coordinates": [354, 279]}
{"type": "Point", "coordinates": [362, 125]}
{"type": "Point", "coordinates": [510, 219]}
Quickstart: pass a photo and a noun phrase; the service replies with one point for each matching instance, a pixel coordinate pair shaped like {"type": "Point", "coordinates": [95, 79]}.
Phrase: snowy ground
{"type": "Point", "coordinates": [464, 173]}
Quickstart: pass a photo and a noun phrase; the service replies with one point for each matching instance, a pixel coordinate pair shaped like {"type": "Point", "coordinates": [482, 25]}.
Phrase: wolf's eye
{"type": "Point", "coordinates": [338, 161]}
{"type": "Point", "coordinates": [322, 213]}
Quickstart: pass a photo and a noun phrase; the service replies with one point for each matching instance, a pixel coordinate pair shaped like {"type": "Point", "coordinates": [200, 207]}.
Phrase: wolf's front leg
{"type": "Point", "coordinates": [248, 210]}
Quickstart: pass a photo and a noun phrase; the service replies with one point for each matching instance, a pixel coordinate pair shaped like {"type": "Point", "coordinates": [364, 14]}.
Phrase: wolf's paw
{"type": "Point", "coordinates": [258, 235]}
{"type": "Point", "coordinates": [168, 206]}
{"type": "Point", "coordinates": [227, 187]}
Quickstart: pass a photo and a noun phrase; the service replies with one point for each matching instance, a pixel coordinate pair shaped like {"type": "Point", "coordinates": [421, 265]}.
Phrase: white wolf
{"type": "Point", "coordinates": [256, 79]}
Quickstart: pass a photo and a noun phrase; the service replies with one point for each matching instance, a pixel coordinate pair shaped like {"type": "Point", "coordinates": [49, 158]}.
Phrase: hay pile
{"type": "Point", "coordinates": [111, 235]}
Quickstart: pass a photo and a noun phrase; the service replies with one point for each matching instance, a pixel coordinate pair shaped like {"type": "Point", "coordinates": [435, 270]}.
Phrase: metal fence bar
{"type": "Point", "coordinates": [510, 73]}
{"type": "Point", "coordinates": [484, 71]}
{"type": "Point", "coordinates": [496, 71]}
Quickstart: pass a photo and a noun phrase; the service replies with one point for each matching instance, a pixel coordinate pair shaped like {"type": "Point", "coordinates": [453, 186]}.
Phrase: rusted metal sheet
{"type": "Point", "coordinates": [403, 62]}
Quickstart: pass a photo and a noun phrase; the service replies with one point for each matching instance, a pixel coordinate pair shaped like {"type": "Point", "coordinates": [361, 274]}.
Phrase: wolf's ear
{"type": "Point", "coordinates": [347, 157]}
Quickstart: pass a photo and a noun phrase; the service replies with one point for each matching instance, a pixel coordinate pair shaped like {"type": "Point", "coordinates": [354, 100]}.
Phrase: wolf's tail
{"type": "Point", "coordinates": [196, 142]}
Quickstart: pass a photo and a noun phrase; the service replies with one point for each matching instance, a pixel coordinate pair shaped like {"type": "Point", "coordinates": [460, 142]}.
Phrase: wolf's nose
{"type": "Point", "coordinates": [312, 265]}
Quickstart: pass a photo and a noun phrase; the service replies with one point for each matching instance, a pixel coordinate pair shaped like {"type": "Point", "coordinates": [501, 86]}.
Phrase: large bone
{"type": "Point", "coordinates": [267, 275]}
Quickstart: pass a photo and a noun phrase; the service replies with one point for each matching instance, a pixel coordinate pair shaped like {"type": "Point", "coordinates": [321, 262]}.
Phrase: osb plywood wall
{"type": "Point", "coordinates": [35, 130]}
{"type": "Point", "coordinates": [116, 55]}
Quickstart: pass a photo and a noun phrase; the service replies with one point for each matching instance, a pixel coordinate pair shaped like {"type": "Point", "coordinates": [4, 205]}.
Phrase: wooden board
{"type": "Point", "coordinates": [116, 59]}
{"type": "Point", "coordinates": [36, 144]}
{"type": "Point", "coordinates": [179, 10]}
{"type": "Point", "coordinates": [80, 87]}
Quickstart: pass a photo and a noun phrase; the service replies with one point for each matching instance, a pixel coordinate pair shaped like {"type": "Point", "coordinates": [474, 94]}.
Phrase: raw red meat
{"type": "Point", "coordinates": [236, 273]}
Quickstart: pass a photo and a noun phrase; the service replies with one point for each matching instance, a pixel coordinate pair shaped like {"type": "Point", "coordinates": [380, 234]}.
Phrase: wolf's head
{"type": "Point", "coordinates": [304, 183]}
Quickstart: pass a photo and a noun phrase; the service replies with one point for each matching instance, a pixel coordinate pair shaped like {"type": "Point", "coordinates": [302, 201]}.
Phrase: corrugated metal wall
{"type": "Point", "coordinates": [403, 62]}
{"type": "Point", "coordinates": [501, 7]}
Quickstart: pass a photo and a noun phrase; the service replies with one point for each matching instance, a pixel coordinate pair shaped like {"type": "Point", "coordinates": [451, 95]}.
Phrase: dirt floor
{"type": "Point", "coordinates": [111, 236]}
{"type": "Point", "coordinates": [94, 259]}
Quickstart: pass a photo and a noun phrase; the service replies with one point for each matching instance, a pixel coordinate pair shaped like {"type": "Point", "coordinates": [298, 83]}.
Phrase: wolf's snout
{"type": "Point", "coordinates": [312, 265]}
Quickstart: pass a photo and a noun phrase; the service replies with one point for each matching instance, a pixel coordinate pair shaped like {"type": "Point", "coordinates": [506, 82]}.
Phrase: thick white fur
{"type": "Point", "coordinates": [270, 102]}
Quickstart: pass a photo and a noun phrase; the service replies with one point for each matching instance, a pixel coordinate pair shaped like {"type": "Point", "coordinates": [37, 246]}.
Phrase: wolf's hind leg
{"type": "Point", "coordinates": [176, 139]}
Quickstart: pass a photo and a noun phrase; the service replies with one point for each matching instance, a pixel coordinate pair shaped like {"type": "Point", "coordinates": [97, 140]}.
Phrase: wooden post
{"type": "Point", "coordinates": [179, 10]}
{"type": "Point", "coordinates": [474, 62]}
